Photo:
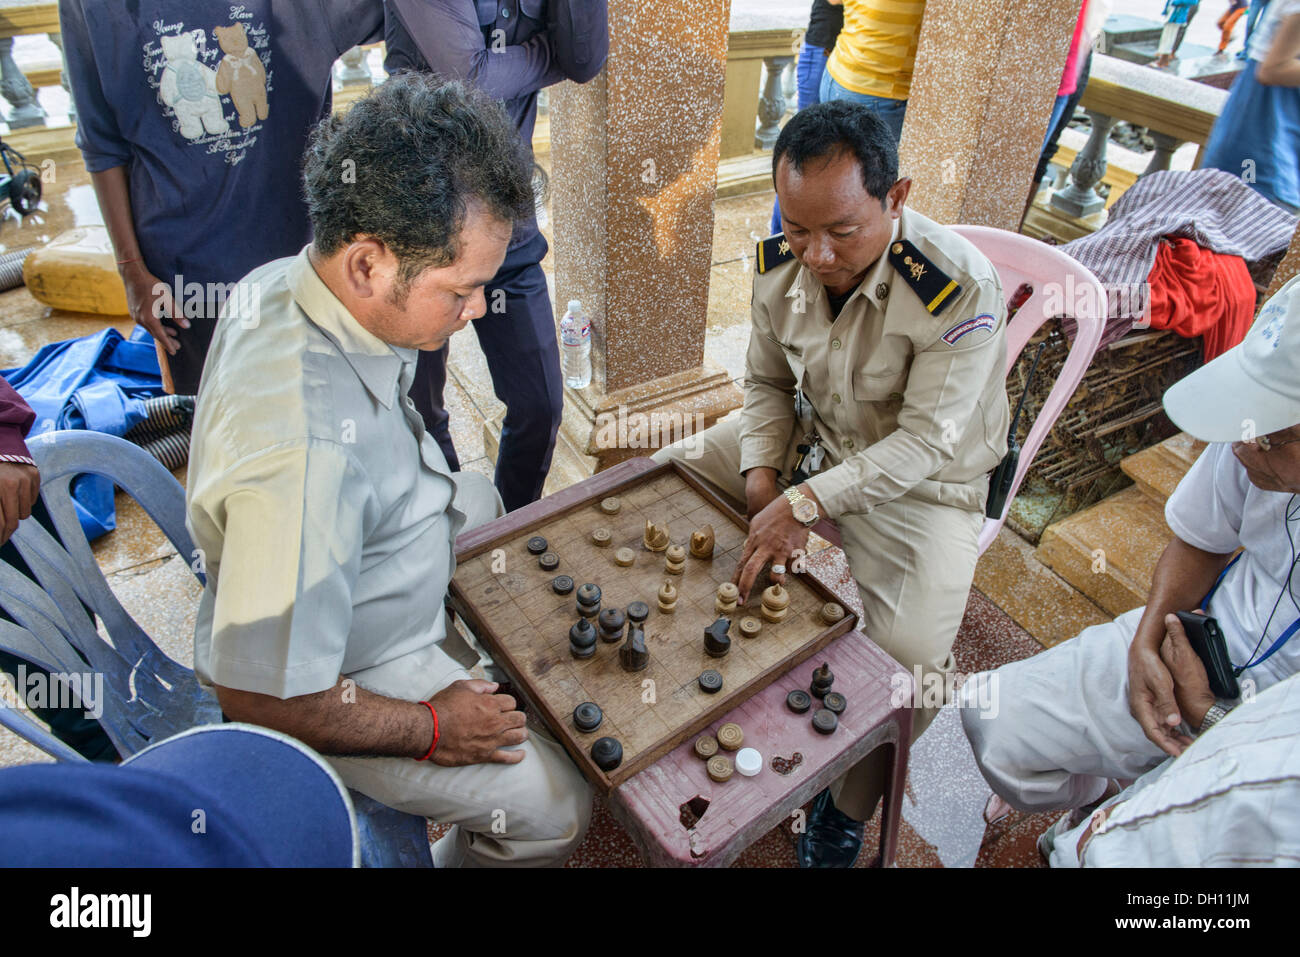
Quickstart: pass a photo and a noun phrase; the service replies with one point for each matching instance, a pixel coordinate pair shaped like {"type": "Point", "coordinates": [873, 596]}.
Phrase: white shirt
{"type": "Point", "coordinates": [322, 508]}
{"type": "Point", "coordinates": [1217, 509]}
{"type": "Point", "coordinates": [1261, 38]}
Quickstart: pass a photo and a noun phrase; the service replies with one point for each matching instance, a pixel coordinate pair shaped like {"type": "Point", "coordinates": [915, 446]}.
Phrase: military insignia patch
{"type": "Point", "coordinates": [772, 252]}
{"type": "Point", "coordinates": [929, 282]}
{"type": "Point", "coordinates": [967, 326]}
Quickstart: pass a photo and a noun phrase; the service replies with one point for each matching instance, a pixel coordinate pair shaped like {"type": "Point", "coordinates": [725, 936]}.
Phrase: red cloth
{"type": "Point", "coordinates": [1198, 292]}
{"type": "Point", "coordinates": [16, 418]}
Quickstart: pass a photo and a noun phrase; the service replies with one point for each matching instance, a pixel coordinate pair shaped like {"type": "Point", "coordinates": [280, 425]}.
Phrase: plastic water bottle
{"type": "Point", "coordinates": [575, 346]}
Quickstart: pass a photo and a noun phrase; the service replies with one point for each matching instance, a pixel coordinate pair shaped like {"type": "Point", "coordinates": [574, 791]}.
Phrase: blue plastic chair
{"type": "Point", "coordinates": [147, 696]}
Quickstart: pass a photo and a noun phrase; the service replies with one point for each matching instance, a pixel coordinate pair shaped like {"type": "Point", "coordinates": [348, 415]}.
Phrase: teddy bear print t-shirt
{"type": "Point", "coordinates": [208, 104]}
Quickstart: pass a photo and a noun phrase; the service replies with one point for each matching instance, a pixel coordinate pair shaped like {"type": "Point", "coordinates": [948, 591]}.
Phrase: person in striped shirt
{"type": "Point", "coordinates": [873, 57]}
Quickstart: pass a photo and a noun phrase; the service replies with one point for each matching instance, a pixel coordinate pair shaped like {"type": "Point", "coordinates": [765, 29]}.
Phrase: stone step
{"type": "Point", "coordinates": [1158, 470]}
{"type": "Point", "coordinates": [1109, 551]}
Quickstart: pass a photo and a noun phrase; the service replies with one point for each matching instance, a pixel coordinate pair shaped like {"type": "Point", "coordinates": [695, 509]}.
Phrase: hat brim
{"type": "Point", "coordinates": [1222, 402]}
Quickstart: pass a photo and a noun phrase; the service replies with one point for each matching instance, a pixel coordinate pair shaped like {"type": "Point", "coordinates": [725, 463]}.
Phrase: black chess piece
{"type": "Point", "coordinates": [633, 654]}
{"type": "Point", "coordinates": [536, 545]}
{"type": "Point", "coordinates": [607, 753]}
{"type": "Point", "coordinates": [588, 600]}
{"type": "Point", "coordinates": [587, 717]}
{"type": "Point", "coordinates": [638, 612]}
{"type": "Point", "coordinates": [611, 622]}
{"type": "Point", "coordinates": [716, 641]}
{"type": "Point", "coordinates": [821, 681]}
{"type": "Point", "coordinates": [582, 639]}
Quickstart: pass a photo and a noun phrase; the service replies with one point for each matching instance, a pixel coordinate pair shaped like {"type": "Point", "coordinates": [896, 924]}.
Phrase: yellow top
{"type": "Point", "coordinates": [876, 48]}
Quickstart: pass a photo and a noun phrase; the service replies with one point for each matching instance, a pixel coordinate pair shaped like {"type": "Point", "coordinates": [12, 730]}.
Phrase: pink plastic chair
{"type": "Point", "coordinates": [1062, 287]}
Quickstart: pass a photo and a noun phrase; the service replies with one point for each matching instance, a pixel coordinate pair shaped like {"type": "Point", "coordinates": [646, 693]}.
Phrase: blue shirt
{"type": "Point", "coordinates": [208, 104]}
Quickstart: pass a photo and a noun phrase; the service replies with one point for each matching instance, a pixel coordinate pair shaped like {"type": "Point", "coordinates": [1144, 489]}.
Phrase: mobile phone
{"type": "Point", "coordinates": [1207, 641]}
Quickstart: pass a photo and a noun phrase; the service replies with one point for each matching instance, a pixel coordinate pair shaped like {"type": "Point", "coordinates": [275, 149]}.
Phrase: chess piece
{"type": "Point", "coordinates": [675, 560]}
{"type": "Point", "coordinates": [798, 701]}
{"type": "Point", "coordinates": [667, 598]}
{"type": "Point", "coordinates": [821, 681]}
{"type": "Point", "coordinates": [624, 557]}
{"type": "Point", "coordinates": [561, 584]}
{"type": "Point", "coordinates": [549, 561]}
{"type": "Point", "coordinates": [716, 641]}
{"type": "Point", "coordinates": [601, 537]}
{"type": "Point", "coordinates": [749, 762]}
{"type": "Point", "coordinates": [611, 505]}
{"type": "Point", "coordinates": [835, 702]}
{"type": "Point", "coordinates": [720, 768]}
{"type": "Point", "coordinates": [607, 753]}
{"type": "Point", "coordinates": [637, 613]}
{"type": "Point", "coordinates": [710, 681]}
{"type": "Point", "coordinates": [702, 542]}
{"type": "Point", "coordinates": [582, 639]}
{"type": "Point", "coordinates": [706, 746]}
{"type": "Point", "coordinates": [776, 604]}
{"type": "Point", "coordinates": [611, 625]}
{"type": "Point", "coordinates": [587, 717]}
{"type": "Point", "coordinates": [831, 613]}
{"type": "Point", "coordinates": [588, 600]}
{"type": "Point", "coordinates": [730, 736]}
{"type": "Point", "coordinates": [727, 600]}
{"type": "Point", "coordinates": [750, 627]}
{"type": "Point", "coordinates": [536, 545]}
{"type": "Point", "coordinates": [825, 722]}
{"type": "Point", "coordinates": [656, 536]}
{"type": "Point", "coordinates": [633, 655]}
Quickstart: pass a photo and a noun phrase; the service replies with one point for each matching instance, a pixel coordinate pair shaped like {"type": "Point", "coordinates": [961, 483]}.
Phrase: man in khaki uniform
{"type": "Point", "coordinates": [878, 347]}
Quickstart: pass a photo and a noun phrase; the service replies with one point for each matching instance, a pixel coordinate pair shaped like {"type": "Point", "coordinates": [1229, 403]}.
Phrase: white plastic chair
{"type": "Point", "coordinates": [1070, 290]}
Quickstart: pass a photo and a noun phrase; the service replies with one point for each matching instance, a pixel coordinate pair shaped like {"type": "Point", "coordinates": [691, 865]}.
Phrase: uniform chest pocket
{"type": "Point", "coordinates": [487, 12]}
{"type": "Point", "coordinates": [794, 358]}
{"type": "Point", "coordinates": [534, 10]}
{"type": "Point", "coordinates": [880, 387]}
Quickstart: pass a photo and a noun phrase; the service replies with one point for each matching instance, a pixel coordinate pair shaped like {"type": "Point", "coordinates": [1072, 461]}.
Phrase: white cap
{"type": "Point", "coordinates": [575, 306]}
{"type": "Point", "coordinates": [748, 762]}
{"type": "Point", "coordinates": [1253, 388]}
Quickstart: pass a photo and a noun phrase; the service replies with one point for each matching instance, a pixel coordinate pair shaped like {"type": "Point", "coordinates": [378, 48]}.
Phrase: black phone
{"type": "Point", "coordinates": [1207, 641]}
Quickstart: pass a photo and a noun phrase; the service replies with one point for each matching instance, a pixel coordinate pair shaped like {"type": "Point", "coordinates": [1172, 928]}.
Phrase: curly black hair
{"type": "Point", "coordinates": [841, 126]}
{"type": "Point", "coordinates": [403, 164]}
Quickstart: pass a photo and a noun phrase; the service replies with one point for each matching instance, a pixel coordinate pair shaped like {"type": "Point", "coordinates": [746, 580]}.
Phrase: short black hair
{"type": "Point", "coordinates": [403, 164]}
{"type": "Point", "coordinates": [841, 126]}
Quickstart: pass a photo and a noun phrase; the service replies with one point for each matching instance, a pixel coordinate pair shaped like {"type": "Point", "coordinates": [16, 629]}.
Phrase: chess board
{"type": "Point", "coordinates": [507, 599]}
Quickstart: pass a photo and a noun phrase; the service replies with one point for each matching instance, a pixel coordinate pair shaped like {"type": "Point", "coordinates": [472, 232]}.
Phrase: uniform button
{"type": "Point", "coordinates": [836, 398]}
{"type": "Point", "coordinates": [848, 443]}
{"type": "Point", "coordinates": [896, 396]}
{"type": "Point", "coordinates": [1227, 766]}
{"type": "Point", "coordinates": [505, 13]}
{"type": "Point", "coordinates": [835, 343]}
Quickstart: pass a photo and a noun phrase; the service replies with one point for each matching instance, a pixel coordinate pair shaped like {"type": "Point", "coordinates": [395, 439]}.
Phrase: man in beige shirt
{"type": "Point", "coordinates": [878, 345]}
{"type": "Point", "coordinates": [326, 516]}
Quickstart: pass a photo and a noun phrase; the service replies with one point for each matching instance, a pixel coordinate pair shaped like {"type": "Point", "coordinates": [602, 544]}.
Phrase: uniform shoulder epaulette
{"type": "Point", "coordinates": [772, 252]}
{"type": "Point", "coordinates": [935, 288]}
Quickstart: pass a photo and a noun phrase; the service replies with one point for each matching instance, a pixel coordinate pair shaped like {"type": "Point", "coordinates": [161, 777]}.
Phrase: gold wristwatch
{"type": "Point", "coordinates": [804, 508]}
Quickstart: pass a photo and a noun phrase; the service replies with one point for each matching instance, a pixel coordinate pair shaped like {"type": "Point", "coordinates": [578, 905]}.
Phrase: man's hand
{"type": "Point", "coordinates": [774, 534]}
{"type": "Point", "coordinates": [476, 724]}
{"type": "Point", "coordinates": [19, 487]}
{"type": "Point", "coordinates": [1191, 683]}
{"type": "Point", "coordinates": [760, 489]}
{"type": "Point", "coordinates": [1151, 694]}
{"type": "Point", "coordinates": [149, 299]}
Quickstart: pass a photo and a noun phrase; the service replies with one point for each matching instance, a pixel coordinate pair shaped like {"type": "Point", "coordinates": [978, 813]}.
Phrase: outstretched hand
{"type": "Point", "coordinates": [774, 536]}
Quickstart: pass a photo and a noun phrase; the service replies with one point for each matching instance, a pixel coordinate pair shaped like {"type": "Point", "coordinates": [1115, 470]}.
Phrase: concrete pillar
{"type": "Point", "coordinates": [985, 80]}
{"type": "Point", "coordinates": [634, 170]}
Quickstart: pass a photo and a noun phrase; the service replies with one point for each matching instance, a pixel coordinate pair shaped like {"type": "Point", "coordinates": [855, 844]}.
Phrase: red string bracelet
{"type": "Point", "coordinates": [428, 754]}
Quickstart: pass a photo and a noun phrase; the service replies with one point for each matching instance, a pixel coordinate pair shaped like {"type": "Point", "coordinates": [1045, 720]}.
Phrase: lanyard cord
{"type": "Point", "coordinates": [1291, 514]}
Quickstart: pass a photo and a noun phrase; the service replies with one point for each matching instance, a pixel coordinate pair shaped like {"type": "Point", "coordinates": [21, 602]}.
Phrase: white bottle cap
{"type": "Point", "coordinates": [575, 306]}
{"type": "Point", "coordinates": [748, 762]}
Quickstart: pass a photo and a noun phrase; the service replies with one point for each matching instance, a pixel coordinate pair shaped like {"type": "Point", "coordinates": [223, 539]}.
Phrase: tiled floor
{"type": "Point", "coordinates": [945, 796]}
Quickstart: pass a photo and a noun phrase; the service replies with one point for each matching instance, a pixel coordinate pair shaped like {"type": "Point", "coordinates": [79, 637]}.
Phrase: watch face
{"type": "Point", "coordinates": [805, 512]}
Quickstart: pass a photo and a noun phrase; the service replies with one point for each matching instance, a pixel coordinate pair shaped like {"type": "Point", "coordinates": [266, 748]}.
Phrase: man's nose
{"type": "Point", "coordinates": [819, 252]}
{"type": "Point", "coordinates": [476, 306]}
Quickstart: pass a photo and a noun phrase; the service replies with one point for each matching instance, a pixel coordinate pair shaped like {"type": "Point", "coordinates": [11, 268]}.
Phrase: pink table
{"type": "Point", "coordinates": [742, 810]}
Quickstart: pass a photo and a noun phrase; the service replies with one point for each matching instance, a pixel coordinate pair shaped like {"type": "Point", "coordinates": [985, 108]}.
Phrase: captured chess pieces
{"type": "Point", "coordinates": [656, 536]}
{"type": "Point", "coordinates": [702, 542]}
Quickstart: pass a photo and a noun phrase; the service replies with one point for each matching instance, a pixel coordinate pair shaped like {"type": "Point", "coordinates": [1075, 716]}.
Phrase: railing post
{"type": "Point", "coordinates": [57, 40]}
{"type": "Point", "coordinates": [15, 88]}
{"type": "Point", "coordinates": [1079, 198]}
{"type": "Point", "coordinates": [771, 105]}
{"type": "Point", "coordinates": [354, 68]}
{"type": "Point", "coordinates": [1164, 154]}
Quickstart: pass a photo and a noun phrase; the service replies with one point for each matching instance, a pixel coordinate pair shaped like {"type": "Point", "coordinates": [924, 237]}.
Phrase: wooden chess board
{"type": "Point", "coordinates": [507, 599]}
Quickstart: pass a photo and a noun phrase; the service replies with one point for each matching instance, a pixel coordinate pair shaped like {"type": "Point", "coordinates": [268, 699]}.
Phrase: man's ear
{"type": "Point", "coordinates": [897, 197]}
{"type": "Point", "coordinates": [367, 268]}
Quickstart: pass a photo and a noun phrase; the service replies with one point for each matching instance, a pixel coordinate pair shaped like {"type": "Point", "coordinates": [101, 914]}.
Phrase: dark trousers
{"type": "Point", "coordinates": [1054, 135]}
{"type": "Point", "coordinates": [517, 336]}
